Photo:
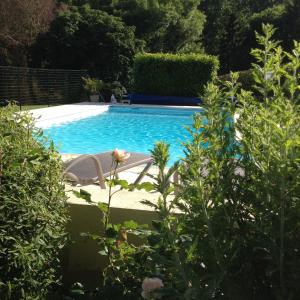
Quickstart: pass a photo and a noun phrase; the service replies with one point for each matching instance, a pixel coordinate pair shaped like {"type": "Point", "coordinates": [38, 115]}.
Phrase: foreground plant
{"type": "Point", "coordinates": [120, 279]}
{"type": "Point", "coordinates": [232, 229]}
{"type": "Point", "coordinates": [236, 236]}
{"type": "Point", "coordinates": [33, 212]}
{"type": "Point", "coordinates": [240, 193]}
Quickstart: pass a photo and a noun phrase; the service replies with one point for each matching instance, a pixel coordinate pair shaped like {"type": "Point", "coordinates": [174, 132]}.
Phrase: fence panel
{"type": "Point", "coordinates": [41, 86]}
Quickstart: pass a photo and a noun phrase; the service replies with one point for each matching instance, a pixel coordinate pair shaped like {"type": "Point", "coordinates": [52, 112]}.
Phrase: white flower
{"type": "Point", "coordinates": [120, 155]}
{"type": "Point", "coordinates": [149, 285]}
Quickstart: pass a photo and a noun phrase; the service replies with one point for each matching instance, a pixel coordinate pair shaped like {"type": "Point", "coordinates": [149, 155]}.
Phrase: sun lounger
{"type": "Point", "coordinates": [89, 169]}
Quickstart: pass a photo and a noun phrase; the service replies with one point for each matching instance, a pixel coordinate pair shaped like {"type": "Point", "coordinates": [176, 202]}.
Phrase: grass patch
{"type": "Point", "coordinates": [35, 106]}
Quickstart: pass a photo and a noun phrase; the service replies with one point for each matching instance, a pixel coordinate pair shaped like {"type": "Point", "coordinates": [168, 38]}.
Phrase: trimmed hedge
{"type": "Point", "coordinates": [173, 74]}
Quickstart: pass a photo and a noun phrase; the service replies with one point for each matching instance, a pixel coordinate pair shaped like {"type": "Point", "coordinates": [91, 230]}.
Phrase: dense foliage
{"type": "Point", "coordinates": [20, 23]}
{"type": "Point", "coordinates": [163, 26]}
{"type": "Point", "coordinates": [245, 79]}
{"type": "Point", "coordinates": [33, 211]}
{"type": "Point", "coordinates": [173, 74]}
{"type": "Point", "coordinates": [232, 230]}
{"type": "Point", "coordinates": [241, 199]}
{"type": "Point", "coordinates": [114, 31]}
{"type": "Point", "coordinates": [88, 39]}
{"type": "Point", "coordinates": [231, 24]}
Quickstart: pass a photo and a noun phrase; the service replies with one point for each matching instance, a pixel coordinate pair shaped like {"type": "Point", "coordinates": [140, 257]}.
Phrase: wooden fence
{"type": "Point", "coordinates": [41, 86]}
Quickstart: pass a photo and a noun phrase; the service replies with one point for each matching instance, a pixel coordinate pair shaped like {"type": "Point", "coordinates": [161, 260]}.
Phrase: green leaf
{"type": "Point", "coordinates": [111, 233]}
{"type": "Point", "coordinates": [157, 224]}
{"type": "Point", "coordinates": [154, 239]}
{"type": "Point", "coordinates": [123, 183]}
{"type": "Point", "coordinates": [83, 195]}
{"type": "Point", "coordinates": [77, 289]}
{"type": "Point", "coordinates": [149, 203]}
{"type": "Point", "coordinates": [103, 207]}
{"type": "Point", "coordinates": [147, 186]}
{"type": "Point", "coordinates": [131, 224]}
{"type": "Point", "coordinates": [103, 253]}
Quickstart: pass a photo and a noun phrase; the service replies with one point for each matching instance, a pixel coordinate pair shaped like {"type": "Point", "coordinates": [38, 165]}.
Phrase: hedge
{"type": "Point", "coordinates": [173, 74]}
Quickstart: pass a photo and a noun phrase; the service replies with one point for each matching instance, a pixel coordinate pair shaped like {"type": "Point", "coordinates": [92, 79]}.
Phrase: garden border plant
{"type": "Point", "coordinates": [237, 236]}
{"type": "Point", "coordinates": [33, 212]}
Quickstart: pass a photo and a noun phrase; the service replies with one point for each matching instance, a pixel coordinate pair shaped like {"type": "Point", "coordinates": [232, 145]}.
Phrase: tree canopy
{"type": "Point", "coordinates": [165, 26]}
{"type": "Point", "coordinates": [102, 36]}
{"type": "Point", "coordinates": [231, 25]}
{"type": "Point", "coordinates": [85, 38]}
{"type": "Point", "coordinates": [20, 23]}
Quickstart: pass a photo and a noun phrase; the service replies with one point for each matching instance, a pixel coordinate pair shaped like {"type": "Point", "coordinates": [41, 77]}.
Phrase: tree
{"type": "Point", "coordinates": [165, 26]}
{"type": "Point", "coordinates": [20, 23]}
{"type": "Point", "coordinates": [231, 25]}
{"type": "Point", "coordinates": [84, 38]}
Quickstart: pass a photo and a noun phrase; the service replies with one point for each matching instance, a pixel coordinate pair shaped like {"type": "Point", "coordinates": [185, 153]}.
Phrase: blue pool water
{"type": "Point", "coordinates": [129, 128]}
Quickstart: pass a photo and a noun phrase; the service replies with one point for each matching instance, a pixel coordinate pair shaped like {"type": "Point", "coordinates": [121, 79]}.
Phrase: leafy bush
{"type": "Point", "coordinates": [173, 74]}
{"type": "Point", "coordinates": [237, 233]}
{"type": "Point", "coordinates": [115, 88]}
{"type": "Point", "coordinates": [33, 211]}
{"type": "Point", "coordinates": [241, 200]}
{"type": "Point", "coordinates": [93, 85]}
{"type": "Point", "coordinates": [245, 79]}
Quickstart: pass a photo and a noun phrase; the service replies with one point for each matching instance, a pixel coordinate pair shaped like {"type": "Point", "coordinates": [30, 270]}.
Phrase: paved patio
{"type": "Point", "coordinates": [123, 198]}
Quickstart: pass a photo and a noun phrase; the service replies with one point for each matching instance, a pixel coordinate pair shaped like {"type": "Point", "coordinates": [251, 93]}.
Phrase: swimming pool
{"type": "Point", "coordinates": [129, 128]}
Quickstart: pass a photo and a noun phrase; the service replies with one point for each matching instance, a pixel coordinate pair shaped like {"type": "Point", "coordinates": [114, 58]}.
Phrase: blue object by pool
{"type": "Point", "coordinates": [163, 100]}
{"type": "Point", "coordinates": [129, 128]}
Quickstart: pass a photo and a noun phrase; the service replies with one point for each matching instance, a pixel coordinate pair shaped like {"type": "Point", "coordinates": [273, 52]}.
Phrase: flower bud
{"type": "Point", "coordinates": [120, 155]}
{"type": "Point", "coordinates": [149, 285]}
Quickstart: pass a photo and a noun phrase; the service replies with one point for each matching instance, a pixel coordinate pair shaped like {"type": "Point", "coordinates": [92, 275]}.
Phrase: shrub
{"type": "Point", "coordinates": [115, 88]}
{"type": "Point", "coordinates": [245, 79]}
{"type": "Point", "coordinates": [33, 211]}
{"type": "Point", "coordinates": [237, 236]}
{"type": "Point", "coordinates": [173, 74]}
{"type": "Point", "coordinates": [241, 200]}
{"type": "Point", "coordinates": [93, 86]}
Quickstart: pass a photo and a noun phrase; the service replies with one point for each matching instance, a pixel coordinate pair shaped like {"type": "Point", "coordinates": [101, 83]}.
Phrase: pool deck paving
{"type": "Point", "coordinates": [123, 198]}
{"type": "Point", "coordinates": [50, 116]}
